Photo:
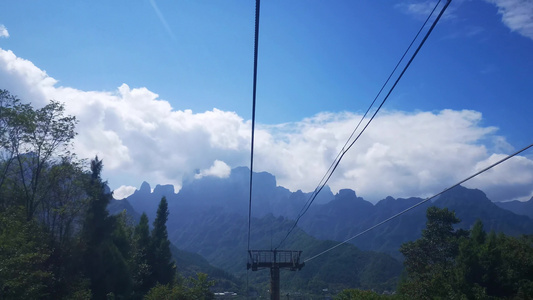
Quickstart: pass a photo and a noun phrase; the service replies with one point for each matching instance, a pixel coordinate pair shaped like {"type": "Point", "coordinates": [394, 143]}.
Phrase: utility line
{"type": "Point", "coordinates": [254, 92]}
{"type": "Point", "coordinates": [335, 164]}
{"type": "Point", "coordinates": [421, 202]}
{"type": "Point", "coordinates": [256, 44]}
{"type": "Point", "coordinates": [322, 183]}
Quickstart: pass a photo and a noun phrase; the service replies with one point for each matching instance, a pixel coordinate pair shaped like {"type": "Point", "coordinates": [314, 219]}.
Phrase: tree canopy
{"type": "Point", "coordinates": [57, 238]}
{"type": "Point", "coordinates": [455, 264]}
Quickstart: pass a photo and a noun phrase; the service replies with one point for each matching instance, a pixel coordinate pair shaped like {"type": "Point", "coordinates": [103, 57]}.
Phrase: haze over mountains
{"type": "Point", "coordinates": [205, 206]}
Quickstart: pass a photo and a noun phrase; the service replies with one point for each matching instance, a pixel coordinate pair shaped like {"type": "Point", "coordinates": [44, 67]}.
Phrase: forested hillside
{"type": "Point", "coordinates": [449, 263]}
{"type": "Point", "coordinates": [57, 239]}
{"type": "Point", "coordinates": [220, 238]}
{"type": "Point", "coordinates": [466, 264]}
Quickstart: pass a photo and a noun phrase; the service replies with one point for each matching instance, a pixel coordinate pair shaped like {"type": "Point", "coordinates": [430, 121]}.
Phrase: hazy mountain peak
{"type": "Point", "coordinates": [166, 190]}
{"type": "Point", "coordinates": [242, 174]}
{"type": "Point", "coordinates": [524, 208]}
{"type": "Point", "coordinates": [389, 200]}
{"type": "Point", "coordinates": [461, 192]}
{"type": "Point", "coordinates": [346, 193]}
{"type": "Point", "coordinates": [145, 187]}
{"type": "Point", "coordinates": [240, 170]}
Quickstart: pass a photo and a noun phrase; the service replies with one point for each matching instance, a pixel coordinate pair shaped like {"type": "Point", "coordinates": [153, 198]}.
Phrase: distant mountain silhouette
{"type": "Point", "coordinates": [518, 207]}
{"type": "Point", "coordinates": [144, 200]}
{"type": "Point", "coordinates": [227, 195]}
{"type": "Point", "coordinates": [203, 207]}
{"type": "Point", "coordinates": [117, 206]}
{"type": "Point", "coordinates": [472, 204]}
{"type": "Point", "coordinates": [348, 215]}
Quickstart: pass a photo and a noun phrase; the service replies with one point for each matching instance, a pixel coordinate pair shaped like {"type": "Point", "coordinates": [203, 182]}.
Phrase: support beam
{"type": "Point", "coordinates": [274, 260]}
{"type": "Point", "coordinates": [274, 283]}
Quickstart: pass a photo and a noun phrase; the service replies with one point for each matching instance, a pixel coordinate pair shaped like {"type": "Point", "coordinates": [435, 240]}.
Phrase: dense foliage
{"type": "Point", "coordinates": [57, 239]}
{"type": "Point", "coordinates": [457, 264]}
{"type": "Point", "coordinates": [446, 263]}
{"type": "Point", "coordinates": [221, 238]}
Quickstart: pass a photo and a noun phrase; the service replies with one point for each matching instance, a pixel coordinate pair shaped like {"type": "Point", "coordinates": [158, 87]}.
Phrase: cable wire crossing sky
{"type": "Point", "coordinates": [162, 90]}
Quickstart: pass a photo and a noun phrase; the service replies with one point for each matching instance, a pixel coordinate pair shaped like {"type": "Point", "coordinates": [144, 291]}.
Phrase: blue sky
{"type": "Point", "coordinates": [320, 65]}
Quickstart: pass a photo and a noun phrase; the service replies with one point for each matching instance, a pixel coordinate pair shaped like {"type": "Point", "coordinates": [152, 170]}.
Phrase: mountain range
{"type": "Point", "coordinates": [209, 216]}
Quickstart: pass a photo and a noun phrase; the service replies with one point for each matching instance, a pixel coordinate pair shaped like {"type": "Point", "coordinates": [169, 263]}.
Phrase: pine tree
{"type": "Point", "coordinates": [143, 280]}
{"type": "Point", "coordinates": [104, 265]}
{"type": "Point", "coordinates": [163, 266]}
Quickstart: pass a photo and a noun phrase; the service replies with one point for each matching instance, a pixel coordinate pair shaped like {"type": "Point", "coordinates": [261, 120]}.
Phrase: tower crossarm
{"type": "Point", "coordinates": [284, 259]}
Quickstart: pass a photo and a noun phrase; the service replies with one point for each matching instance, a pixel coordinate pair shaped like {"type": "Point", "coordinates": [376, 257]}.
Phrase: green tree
{"type": "Point", "coordinates": [141, 269]}
{"type": "Point", "coordinates": [496, 266]}
{"type": "Point", "coordinates": [39, 174]}
{"type": "Point", "coordinates": [23, 257]}
{"type": "Point", "coordinates": [163, 266]}
{"type": "Point", "coordinates": [449, 264]}
{"type": "Point", "coordinates": [192, 289]}
{"type": "Point", "coordinates": [353, 294]}
{"type": "Point", "coordinates": [104, 263]}
{"type": "Point", "coordinates": [65, 202]}
{"type": "Point", "coordinates": [123, 232]}
{"type": "Point", "coordinates": [469, 270]}
{"type": "Point", "coordinates": [98, 225]}
{"type": "Point", "coordinates": [15, 118]}
{"type": "Point", "coordinates": [429, 260]}
{"type": "Point", "coordinates": [45, 140]}
{"type": "Point", "coordinates": [166, 292]}
{"type": "Point", "coordinates": [199, 287]}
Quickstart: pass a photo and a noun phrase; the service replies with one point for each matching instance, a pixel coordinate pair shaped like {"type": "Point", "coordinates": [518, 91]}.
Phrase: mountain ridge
{"type": "Point", "coordinates": [343, 216]}
{"type": "Point", "coordinates": [524, 208]}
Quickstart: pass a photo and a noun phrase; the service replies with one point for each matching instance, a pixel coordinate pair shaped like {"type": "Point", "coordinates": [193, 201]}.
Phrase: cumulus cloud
{"type": "Point", "coordinates": [123, 191]}
{"type": "Point", "coordinates": [23, 76]}
{"type": "Point", "coordinates": [400, 154]}
{"type": "Point", "coordinates": [218, 169]}
{"type": "Point", "coordinates": [517, 15]}
{"type": "Point", "coordinates": [3, 31]}
{"type": "Point", "coordinates": [509, 180]}
{"type": "Point", "coordinates": [143, 138]}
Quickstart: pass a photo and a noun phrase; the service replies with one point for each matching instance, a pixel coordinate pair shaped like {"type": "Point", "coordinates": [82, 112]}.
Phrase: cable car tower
{"type": "Point", "coordinates": [275, 260]}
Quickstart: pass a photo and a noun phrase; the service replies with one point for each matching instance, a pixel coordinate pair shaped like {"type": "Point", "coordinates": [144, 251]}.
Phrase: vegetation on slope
{"type": "Point", "coordinates": [446, 263]}
{"type": "Point", "coordinates": [57, 239]}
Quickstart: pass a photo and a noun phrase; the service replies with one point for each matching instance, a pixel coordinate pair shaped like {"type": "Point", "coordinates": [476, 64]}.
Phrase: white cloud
{"type": "Point", "coordinates": [509, 180]}
{"type": "Point", "coordinates": [400, 154]}
{"type": "Point", "coordinates": [123, 192]}
{"type": "Point", "coordinates": [218, 169]}
{"type": "Point", "coordinates": [23, 76]}
{"type": "Point", "coordinates": [3, 31]}
{"type": "Point", "coordinates": [422, 9]}
{"type": "Point", "coordinates": [142, 138]}
{"type": "Point", "coordinates": [517, 15]}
